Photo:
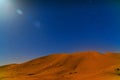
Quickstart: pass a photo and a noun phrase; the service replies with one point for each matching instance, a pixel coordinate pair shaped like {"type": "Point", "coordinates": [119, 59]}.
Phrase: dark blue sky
{"type": "Point", "coordinates": [41, 27]}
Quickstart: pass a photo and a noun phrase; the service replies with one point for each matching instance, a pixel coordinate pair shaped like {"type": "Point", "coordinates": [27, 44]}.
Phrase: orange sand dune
{"type": "Point", "coordinates": [75, 66]}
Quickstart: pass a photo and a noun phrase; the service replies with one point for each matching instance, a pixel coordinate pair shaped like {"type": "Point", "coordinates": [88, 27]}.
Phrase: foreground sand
{"type": "Point", "coordinates": [76, 66]}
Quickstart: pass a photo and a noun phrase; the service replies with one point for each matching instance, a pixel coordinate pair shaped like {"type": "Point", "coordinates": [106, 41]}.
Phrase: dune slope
{"type": "Point", "coordinates": [75, 66]}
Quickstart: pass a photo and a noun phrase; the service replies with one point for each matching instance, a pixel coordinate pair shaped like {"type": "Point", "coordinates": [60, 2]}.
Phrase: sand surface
{"type": "Point", "coordinates": [75, 66]}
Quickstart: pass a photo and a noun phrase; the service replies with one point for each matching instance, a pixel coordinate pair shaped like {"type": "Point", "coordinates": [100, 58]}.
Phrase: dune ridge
{"type": "Point", "coordinates": [76, 66]}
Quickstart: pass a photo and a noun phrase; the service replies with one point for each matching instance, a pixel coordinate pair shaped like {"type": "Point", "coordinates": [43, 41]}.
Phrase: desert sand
{"type": "Point", "coordinates": [74, 66]}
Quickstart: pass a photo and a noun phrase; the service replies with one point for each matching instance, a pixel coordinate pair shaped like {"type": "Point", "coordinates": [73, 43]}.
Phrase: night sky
{"type": "Point", "coordinates": [33, 28]}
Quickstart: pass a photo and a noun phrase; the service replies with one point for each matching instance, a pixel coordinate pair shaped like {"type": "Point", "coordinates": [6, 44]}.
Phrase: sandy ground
{"type": "Point", "coordinates": [75, 66]}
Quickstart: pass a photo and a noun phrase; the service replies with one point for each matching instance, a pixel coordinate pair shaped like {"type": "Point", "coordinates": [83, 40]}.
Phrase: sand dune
{"type": "Point", "coordinates": [75, 66]}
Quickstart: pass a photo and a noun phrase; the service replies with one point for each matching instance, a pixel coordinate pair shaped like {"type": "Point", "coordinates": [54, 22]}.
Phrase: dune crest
{"type": "Point", "coordinates": [76, 66]}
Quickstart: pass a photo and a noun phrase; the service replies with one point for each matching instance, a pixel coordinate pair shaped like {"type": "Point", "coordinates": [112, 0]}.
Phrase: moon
{"type": "Point", "coordinates": [6, 8]}
{"type": "Point", "coordinates": [2, 2]}
{"type": "Point", "coordinates": [5, 4]}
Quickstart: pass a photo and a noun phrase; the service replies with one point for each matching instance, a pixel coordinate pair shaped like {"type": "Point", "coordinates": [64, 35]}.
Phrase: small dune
{"type": "Point", "coordinates": [74, 66]}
